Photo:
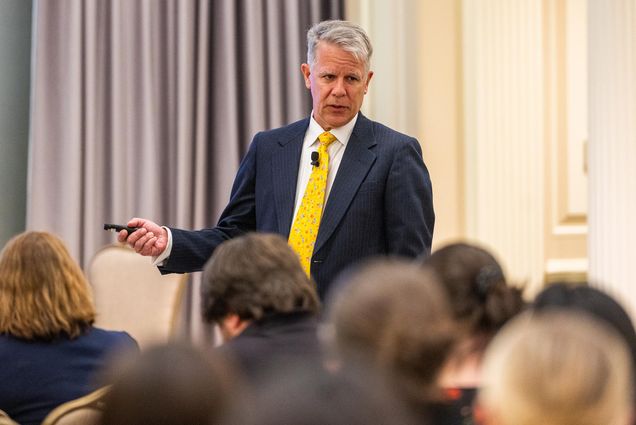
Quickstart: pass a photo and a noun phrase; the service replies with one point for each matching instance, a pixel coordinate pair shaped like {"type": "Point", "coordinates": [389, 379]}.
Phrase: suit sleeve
{"type": "Point", "coordinates": [191, 249]}
{"type": "Point", "coordinates": [409, 203]}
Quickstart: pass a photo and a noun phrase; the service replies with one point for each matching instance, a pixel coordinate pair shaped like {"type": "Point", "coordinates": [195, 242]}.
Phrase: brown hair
{"type": "Point", "coordinates": [254, 275]}
{"type": "Point", "coordinates": [303, 394]}
{"type": "Point", "coordinates": [43, 292]}
{"type": "Point", "coordinates": [481, 300]}
{"type": "Point", "coordinates": [397, 315]}
{"type": "Point", "coordinates": [172, 384]}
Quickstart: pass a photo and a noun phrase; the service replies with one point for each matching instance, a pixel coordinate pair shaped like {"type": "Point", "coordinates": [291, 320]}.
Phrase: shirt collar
{"type": "Point", "coordinates": [343, 134]}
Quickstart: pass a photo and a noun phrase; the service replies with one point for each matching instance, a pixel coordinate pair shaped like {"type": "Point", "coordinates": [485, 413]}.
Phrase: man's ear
{"type": "Point", "coordinates": [306, 70]}
{"type": "Point", "coordinates": [366, 83]}
{"type": "Point", "coordinates": [232, 321]}
{"type": "Point", "coordinates": [232, 325]}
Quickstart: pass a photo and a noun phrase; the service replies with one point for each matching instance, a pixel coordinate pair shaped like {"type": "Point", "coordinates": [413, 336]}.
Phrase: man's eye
{"type": "Point", "coordinates": [328, 77]}
{"type": "Point", "coordinates": [352, 79]}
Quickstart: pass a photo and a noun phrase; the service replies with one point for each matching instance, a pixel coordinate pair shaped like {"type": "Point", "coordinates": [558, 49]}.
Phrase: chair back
{"type": "Point", "coordinates": [85, 410]}
{"type": "Point", "coordinates": [131, 295]}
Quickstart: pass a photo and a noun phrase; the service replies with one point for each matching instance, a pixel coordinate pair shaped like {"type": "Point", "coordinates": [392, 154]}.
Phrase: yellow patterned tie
{"type": "Point", "coordinates": [305, 228]}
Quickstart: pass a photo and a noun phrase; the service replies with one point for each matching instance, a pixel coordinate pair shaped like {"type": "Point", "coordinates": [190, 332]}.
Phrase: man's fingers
{"type": "Point", "coordinates": [150, 247]}
{"type": "Point", "coordinates": [138, 239]}
{"type": "Point", "coordinates": [161, 243]}
{"type": "Point", "coordinates": [148, 239]}
{"type": "Point", "coordinates": [122, 235]}
{"type": "Point", "coordinates": [146, 244]}
{"type": "Point", "coordinates": [135, 236]}
{"type": "Point", "coordinates": [135, 222]}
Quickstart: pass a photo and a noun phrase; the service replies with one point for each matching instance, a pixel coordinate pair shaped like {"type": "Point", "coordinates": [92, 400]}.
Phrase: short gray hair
{"type": "Point", "coordinates": [347, 35]}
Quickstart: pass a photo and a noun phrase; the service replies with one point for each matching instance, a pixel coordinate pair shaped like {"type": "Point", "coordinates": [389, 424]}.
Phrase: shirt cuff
{"type": "Point", "coordinates": [163, 257]}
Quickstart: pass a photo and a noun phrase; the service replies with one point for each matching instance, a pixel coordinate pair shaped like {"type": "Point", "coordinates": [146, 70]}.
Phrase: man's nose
{"type": "Point", "coordinates": [339, 88]}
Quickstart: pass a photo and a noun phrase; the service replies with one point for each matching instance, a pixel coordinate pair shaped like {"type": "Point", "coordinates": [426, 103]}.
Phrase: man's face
{"type": "Point", "coordinates": [338, 83]}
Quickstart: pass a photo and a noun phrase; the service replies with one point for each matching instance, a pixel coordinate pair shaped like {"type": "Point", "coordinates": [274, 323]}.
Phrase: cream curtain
{"type": "Point", "coordinates": [145, 107]}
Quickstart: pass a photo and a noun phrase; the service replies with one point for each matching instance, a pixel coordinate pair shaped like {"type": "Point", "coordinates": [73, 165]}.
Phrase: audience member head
{"type": "Point", "coordinates": [395, 316]}
{"type": "Point", "coordinates": [169, 384]}
{"type": "Point", "coordinates": [480, 298]}
{"type": "Point", "coordinates": [307, 395]}
{"type": "Point", "coordinates": [250, 277]}
{"type": "Point", "coordinates": [556, 368]}
{"type": "Point", "coordinates": [581, 297]}
{"type": "Point", "coordinates": [43, 292]}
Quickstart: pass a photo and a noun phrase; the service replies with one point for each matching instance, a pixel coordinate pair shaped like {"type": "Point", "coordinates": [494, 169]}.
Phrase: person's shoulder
{"type": "Point", "coordinates": [118, 338]}
{"type": "Point", "coordinates": [109, 334]}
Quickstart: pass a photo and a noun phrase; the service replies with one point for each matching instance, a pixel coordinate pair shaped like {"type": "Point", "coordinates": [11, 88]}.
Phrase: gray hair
{"type": "Point", "coordinates": [347, 35]}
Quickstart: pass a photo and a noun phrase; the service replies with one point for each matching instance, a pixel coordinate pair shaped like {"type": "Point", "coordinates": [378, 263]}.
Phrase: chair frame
{"type": "Point", "coordinates": [5, 419]}
{"type": "Point", "coordinates": [94, 401]}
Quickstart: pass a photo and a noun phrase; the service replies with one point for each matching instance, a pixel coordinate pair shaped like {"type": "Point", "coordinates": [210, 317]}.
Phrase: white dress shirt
{"type": "Point", "coordinates": [310, 144]}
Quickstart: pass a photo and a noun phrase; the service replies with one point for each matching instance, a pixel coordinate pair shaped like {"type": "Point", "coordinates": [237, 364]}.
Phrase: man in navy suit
{"type": "Point", "coordinates": [378, 192]}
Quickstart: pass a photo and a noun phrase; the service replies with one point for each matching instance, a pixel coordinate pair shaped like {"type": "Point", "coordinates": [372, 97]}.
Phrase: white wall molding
{"type": "Point", "coordinates": [612, 147]}
{"type": "Point", "coordinates": [504, 132]}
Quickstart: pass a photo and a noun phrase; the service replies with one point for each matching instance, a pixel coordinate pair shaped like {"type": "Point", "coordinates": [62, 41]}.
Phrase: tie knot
{"type": "Point", "coordinates": [326, 138]}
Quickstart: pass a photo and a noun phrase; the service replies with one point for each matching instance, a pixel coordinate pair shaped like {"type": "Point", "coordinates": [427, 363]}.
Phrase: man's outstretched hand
{"type": "Point", "coordinates": [149, 239]}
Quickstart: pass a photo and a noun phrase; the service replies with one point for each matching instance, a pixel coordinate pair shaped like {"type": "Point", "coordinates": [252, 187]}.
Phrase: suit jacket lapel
{"type": "Point", "coordinates": [355, 164]}
{"type": "Point", "coordinates": [285, 161]}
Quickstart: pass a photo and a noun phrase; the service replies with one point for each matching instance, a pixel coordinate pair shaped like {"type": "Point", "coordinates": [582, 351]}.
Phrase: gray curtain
{"type": "Point", "coordinates": [145, 107]}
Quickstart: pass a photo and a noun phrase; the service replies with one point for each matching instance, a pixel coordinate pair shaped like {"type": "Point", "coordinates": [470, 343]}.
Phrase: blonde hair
{"type": "Point", "coordinates": [557, 368]}
{"type": "Point", "coordinates": [43, 292]}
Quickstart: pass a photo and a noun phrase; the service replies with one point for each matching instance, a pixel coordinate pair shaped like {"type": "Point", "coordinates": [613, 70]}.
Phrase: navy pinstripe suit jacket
{"type": "Point", "coordinates": [380, 202]}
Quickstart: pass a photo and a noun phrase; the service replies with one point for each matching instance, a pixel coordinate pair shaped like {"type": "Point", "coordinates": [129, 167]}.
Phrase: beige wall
{"type": "Point", "coordinates": [417, 90]}
{"type": "Point", "coordinates": [493, 89]}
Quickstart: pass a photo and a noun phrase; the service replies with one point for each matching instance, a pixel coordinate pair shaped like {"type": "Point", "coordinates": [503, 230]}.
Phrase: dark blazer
{"type": "Point", "coordinates": [380, 202]}
{"type": "Point", "coordinates": [273, 343]}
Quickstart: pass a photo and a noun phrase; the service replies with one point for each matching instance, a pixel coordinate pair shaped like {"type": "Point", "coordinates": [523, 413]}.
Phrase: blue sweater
{"type": "Point", "coordinates": [37, 376]}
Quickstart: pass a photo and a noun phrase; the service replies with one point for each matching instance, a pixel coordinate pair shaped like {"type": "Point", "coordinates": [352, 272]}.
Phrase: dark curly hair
{"type": "Point", "coordinates": [255, 275]}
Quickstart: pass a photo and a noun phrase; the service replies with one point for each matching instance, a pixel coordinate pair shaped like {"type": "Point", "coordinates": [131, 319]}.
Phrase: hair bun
{"type": "Point", "coordinates": [487, 277]}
